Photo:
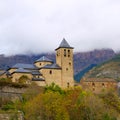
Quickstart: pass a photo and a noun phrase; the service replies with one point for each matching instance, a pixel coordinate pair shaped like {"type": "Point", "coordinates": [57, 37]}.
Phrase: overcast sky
{"type": "Point", "coordinates": [35, 26]}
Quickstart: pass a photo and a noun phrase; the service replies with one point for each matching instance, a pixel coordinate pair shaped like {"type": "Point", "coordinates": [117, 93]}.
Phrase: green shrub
{"type": "Point", "coordinates": [54, 88]}
{"type": "Point", "coordinates": [8, 82]}
{"type": "Point", "coordinates": [8, 106]}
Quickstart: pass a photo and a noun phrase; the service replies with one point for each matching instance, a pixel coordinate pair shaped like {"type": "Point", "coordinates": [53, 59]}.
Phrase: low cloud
{"type": "Point", "coordinates": [35, 26]}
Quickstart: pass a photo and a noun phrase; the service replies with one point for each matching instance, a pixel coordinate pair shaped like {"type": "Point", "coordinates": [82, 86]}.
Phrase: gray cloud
{"type": "Point", "coordinates": [35, 26]}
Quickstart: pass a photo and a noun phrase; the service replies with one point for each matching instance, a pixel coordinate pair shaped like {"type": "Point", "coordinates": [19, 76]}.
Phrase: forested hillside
{"type": "Point", "coordinates": [53, 103]}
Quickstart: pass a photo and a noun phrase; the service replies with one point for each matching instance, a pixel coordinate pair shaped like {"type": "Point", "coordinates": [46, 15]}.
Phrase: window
{"type": "Point", "coordinates": [68, 85]}
{"type": "Point", "coordinates": [57, 53]}
{"type": "Point", "coordinates": [64, 52]}
{"type": "Point", "coordinates": [93, 84]}
{"type": "Point", "coordinates": [103, 85]}
{"type": "Point", "coordinates": [50, 71]}
{"type": "Point", "coordinates": [68, 53]}
{"type": "Point", "coordinates": [40, 64]}
{"type": "Point", "coordinates": [70, 63]}
{"type": "Point", "coordinates": [66, 69]}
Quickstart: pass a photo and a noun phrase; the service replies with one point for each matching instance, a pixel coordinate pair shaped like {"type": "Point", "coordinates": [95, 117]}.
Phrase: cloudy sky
{"type": "Point", "coordinates": [35, 26]}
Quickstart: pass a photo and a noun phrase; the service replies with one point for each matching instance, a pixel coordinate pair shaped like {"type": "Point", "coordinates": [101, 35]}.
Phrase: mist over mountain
{"type": "Point", "coordinates": [81, 59]}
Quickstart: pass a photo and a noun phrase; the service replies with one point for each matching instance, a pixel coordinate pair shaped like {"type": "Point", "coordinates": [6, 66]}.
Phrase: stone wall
{"type": "Point", "coordinates": [11, 93]}
{"type": "Point", "coordinates": [16, 76]}
{"type": "Point", "coordinates": [52, 76]}
{"type": "Point", "coordinates": [41, 64]}
{"type": "Point", "coordinates": [98, 87]}
{"type": "Point", "coordinates": [12, 116]}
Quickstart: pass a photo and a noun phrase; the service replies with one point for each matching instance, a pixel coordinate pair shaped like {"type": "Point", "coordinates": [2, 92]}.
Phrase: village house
{"type": "Point", "coordinates": [98, 85]}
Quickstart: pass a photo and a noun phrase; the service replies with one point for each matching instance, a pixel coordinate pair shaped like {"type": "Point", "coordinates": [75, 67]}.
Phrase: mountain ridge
{"type": "Point", "coordinates": [81, 59]}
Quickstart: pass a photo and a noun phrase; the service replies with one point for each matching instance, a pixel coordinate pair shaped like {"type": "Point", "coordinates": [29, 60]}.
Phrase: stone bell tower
{"type": "Point", "coordinates": [64, 58]}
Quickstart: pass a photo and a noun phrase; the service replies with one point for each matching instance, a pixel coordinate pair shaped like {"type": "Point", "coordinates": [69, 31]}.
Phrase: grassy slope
{"type": "Point", "coordinates": [109, 69]}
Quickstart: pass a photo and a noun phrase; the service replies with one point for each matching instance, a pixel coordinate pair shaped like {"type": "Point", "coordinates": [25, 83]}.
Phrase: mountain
{"type": "Point", "coordinates": [108, 69]}
{"type": "Point", "coordinates": [80, 74]}
{"type": "Point", "coordinates": [81, 59]}
{"type": "Point", "coordinates": [84, 59]}
{"type": "Point", "coordinates": [8, 61]}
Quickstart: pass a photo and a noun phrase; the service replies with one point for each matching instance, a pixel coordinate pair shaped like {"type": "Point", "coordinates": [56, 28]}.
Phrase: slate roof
{"type": "Point", "coordinates": [36, 72]}
{"type": "Point", "coordinates": [22, 70]}
{"type": "Point", "coordinates": [64, 44]}
{"type": "Point", "coordinates": [22, 65]}
{"type": "Point", "coordinates": [44, 59]}
{"type": "Point", "coordinates": [8, 73]}
{"type": "Point", "coordinates": [2, 72]}
{"type": "Point", "coordinates": [52, 66]}
{"type": "Point", "coordinates": [38, 79]}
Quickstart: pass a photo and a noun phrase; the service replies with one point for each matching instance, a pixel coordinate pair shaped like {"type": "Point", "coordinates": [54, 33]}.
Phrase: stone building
{"type": "Point", "coordinates": [98, 85]}
{"type": "Point", "coordinates": [44, 71]}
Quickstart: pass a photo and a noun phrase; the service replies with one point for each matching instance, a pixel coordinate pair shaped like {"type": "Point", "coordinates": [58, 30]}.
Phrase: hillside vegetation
{"type": "Point", "coordinates": [70, 104]}
{"type": "Point", "coordinates": [108, 69]}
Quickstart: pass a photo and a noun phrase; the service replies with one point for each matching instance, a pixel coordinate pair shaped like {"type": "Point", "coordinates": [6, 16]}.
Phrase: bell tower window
{"type": "Point", "coordinates": [93, 84]}
{"type": "Point", "coordinates": [68, 53]}
{"type": "Point", "coordinates": [50, 71]}
{"type": "Point", "coordinates": [68, 85]}
{"type": "Point", "coordinates": [64, 52]}
{"type": "Point", "coordinates": [103, 85]}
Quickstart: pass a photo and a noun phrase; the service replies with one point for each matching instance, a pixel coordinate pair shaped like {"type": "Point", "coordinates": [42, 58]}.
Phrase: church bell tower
{"type": "Point", "coordinates": [64, 58]}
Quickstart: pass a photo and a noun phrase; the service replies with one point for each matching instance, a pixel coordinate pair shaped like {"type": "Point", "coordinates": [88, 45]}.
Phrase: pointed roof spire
{"type": "Point", "coordinates": [64, 44]}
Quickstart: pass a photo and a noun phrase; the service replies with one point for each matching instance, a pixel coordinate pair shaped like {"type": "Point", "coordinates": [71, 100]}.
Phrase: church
{"type": "Point", "coordinates": [44, 71]}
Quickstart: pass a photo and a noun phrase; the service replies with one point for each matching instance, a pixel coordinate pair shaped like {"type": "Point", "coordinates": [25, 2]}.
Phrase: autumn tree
{"type": "Point", "coordinates": [24, 79]}
{"type": "Point", "coordinates": [47, 106]}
